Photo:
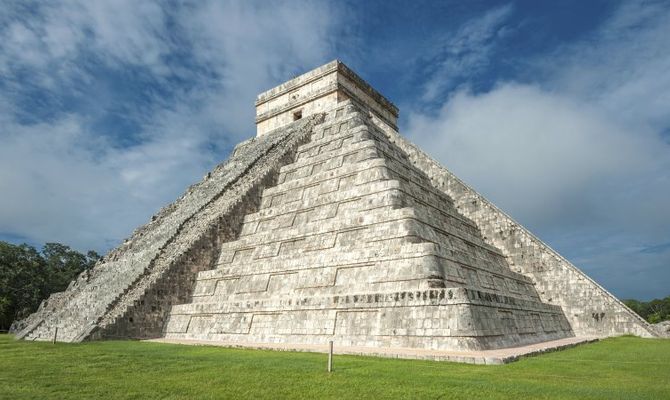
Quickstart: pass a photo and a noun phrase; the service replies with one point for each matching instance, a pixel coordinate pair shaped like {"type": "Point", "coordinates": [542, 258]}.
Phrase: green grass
{"type": "Point", "coordinates": [620, 368]}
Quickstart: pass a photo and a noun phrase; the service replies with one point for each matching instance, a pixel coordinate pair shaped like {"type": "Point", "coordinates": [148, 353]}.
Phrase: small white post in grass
{"type": "Point", "coordinates": [55, 335]}
{"type": "Point", "coordinates": [330, 356]}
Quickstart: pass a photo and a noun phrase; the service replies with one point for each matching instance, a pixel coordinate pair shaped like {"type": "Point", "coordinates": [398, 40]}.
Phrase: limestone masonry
{"type": "Point", "coordinates": [329, 225]}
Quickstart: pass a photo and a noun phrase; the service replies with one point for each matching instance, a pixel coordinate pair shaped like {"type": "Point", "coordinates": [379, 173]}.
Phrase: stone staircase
{"type": "Point", "coordinates": [329, 225]}
{"type": "Point", "coordinates": [99, 298]}
{"type": "Point", "coordinates": [355, 243]}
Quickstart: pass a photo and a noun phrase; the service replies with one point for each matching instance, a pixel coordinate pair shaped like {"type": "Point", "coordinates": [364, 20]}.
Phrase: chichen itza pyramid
{"type": "Point", "coordinates": [329, 225]}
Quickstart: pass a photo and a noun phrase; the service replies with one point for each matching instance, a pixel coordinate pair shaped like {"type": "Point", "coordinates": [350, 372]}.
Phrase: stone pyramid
{"type": "Point", "coordinates": [329, 225]}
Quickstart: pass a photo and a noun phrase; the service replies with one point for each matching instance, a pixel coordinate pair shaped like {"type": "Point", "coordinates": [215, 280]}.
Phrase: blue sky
{"type": "Point", "coordinates": [556, 111]}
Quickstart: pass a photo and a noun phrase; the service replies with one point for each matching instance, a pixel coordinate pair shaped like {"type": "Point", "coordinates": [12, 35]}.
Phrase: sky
{"type": "Point", "coordinates": [558, 112]}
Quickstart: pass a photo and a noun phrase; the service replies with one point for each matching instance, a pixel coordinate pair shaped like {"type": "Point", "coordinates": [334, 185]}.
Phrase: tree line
{"type": "Point", "coordinates": [28, 276]}
{"type": "Point", "coordinates": [653, 311]}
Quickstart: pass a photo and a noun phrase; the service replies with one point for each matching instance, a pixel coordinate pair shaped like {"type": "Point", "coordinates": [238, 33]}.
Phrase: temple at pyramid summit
{"type": "Point", "coordinates": [329, 225]}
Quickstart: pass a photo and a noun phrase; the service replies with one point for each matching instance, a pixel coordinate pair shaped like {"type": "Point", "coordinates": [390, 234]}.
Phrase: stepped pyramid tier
{"type": "Point", "coordinates": [142, 278]}
{"type": "Point", "coordinates": [329, 225]}
{"type": "Point", "coordinates": [354, 244]}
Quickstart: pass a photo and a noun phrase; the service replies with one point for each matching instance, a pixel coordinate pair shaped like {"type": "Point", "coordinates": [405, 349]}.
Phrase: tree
{"type": "Point", "coordinates": [654, 311]}
{"type": "Point", "coordinates": [28, 277]}
{"type": "Point", "coordinates": [22, 281]}
{"type": "Point", "coordinates": [64, 264]}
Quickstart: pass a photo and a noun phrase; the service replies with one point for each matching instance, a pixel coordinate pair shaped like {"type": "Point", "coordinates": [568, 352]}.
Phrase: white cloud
{"type": "Point", "coordinates": [540, 155]}
{"type": "Point", "coordinates": [581, 154]}
{"type": "Point", "coordinates": [466, 51]}
{"type": "Point", "coordinates": [60, 179]}
{"type": "Point", "coordinates": [579, 151]}
{"type": "Point", "coordinates": [61, 182]}
{"type": "Point", "coordinates": [622, 68]}
{"type": "Point", "coordinates": [250, 47]}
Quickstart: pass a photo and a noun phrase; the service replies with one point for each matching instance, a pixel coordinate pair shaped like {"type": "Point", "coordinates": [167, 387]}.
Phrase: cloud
{"type": "Point", "coordinates": [621, 68]}
{"type": "Point", "coordinates": [109, 110]}
{"type": "Point", "coordinates": [465, 52]}
{"type": "Point", "coordinates": [539, 154]}
{"type": "Point", "coordinates": [580, 153]}
{"type": "Point", "coordinates": [60, 181]}
{"type": "Point", "coordinates": [248, 47]}
{"type": "Point", "coordinates": [52, 42]}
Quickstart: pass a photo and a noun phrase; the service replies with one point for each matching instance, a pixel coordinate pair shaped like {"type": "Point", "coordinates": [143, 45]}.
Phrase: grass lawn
{"type": "Point", "coordinates": [620, 368]}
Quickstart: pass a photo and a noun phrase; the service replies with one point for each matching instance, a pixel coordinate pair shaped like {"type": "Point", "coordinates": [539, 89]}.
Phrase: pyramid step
{"type": "Point", "coordinates": [388, 249]}
{"type": "Point", "coordinates": [347, 221]}
{"type": "Point", "coordinates": [318, 176]}
{"type": "Point", "coordinates": [356, 152]}
{"type": "Point", "coordinates": [361, 237]}
{"type": "Point", "coordinates": [303, 214]}
{"type": "Point", "coordinates": [364, 299]}
{"type": "Point", "coordinates": [352, 255]}
{"type": "Point", "coordinates": [372, 190]}
{"type": "Point", "coordinates": [331, 142]}
{"type": "Point", "coordinates": [452, 264]}
{"type": "Point", "coordinates": [328, 131]}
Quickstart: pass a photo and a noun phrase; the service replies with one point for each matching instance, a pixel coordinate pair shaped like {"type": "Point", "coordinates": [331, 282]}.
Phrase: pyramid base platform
{"type": "Point", "coordinates": [487, 357]}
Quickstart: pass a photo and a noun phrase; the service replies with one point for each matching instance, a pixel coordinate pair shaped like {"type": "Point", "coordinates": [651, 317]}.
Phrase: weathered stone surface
{"type": "Point", "coordinates": [663, 328]}
{"type": "Point", "coordinates": [355, 244]}
{"type": "Point", "coordinates": [332, 226]}
{"type": "Point", "coordinates": [164, 253]}
{"type": "Point", "coordinates": [591, 310]}
{"type": "Point", "coordinates": [315, 91]}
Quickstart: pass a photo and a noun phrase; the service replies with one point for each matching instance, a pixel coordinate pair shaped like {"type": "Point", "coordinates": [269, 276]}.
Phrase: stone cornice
{"type": "Point", "coordinates": [308, 78]}
{"type": "Point", "coordinates": [298, 102]}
